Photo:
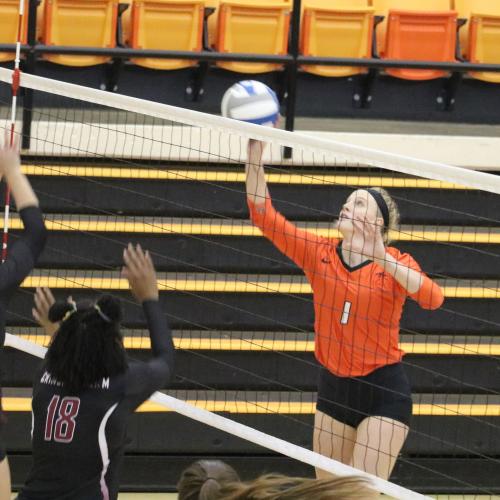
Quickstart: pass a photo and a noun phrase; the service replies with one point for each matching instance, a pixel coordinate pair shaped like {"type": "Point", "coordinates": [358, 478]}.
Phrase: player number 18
{"type": "Point", "coordinates": [64, 428]}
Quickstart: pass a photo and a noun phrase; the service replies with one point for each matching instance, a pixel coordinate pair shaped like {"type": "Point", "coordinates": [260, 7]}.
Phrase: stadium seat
{"type": "Point", "coordinates": [253, 27]}
{"type": "Point", "coordinates": [480, 41]}
{"type": "Point", "coordinates": [336, 4]}
{"type": "Point", "coordinates": [9, 16]}
{"type": "Point", "coordinates": [382, 8]}
{"type": "Point", "coordinates": [352, 30]}
{"type": "Point", "coordinates": [417, 30]}
{"type": "Point", "coordinates": [213, 19]}
{"type": "Point", "coordinates": [167, 25]}
{"type": "Point", "coordinates": [85, 23]}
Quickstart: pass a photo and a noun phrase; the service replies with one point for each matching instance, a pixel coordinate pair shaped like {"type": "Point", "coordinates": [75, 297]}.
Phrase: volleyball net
{"type": "Point", "coordinates": [110, 169]}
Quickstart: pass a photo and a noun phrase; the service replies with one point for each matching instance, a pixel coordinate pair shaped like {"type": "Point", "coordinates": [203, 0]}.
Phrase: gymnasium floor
{"type": "Point", "coordinates": [173, 496]}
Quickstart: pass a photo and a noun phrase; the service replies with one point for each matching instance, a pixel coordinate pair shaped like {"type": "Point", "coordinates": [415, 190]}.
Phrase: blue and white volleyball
{"type": "Point", "coordinates": [251, 101]}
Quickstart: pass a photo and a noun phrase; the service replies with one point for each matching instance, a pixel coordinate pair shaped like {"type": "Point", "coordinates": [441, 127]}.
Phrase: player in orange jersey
{"type": "Point", "coordinates": [359, 288]}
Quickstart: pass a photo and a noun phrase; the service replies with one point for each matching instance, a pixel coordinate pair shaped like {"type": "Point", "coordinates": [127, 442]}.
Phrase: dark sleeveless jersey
{"type": "Point", "coordinates": [79, 439]}
{"type": "Point", "coordinates": [21, 259]}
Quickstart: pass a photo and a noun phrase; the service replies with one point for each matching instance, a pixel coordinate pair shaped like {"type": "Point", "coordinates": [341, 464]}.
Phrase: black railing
{"type": "Point", "coordinates": [291, 61]}
{"type": "Point", "coordinates": [210, 56]}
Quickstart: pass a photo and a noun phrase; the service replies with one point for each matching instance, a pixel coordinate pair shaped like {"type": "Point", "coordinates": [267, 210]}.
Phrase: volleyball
{"type": "Point", "coordinates": [251, 101]}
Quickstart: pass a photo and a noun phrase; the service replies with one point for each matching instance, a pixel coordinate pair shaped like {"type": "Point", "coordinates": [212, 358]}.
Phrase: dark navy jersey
{"type": "Point", "coordinates": [79, 439]}
{"type": "Point", "coordinates": [21, 259]}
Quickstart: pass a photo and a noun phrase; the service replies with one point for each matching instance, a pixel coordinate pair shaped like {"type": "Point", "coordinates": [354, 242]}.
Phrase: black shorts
{"type": "Point", "coordinates": [384, 392]}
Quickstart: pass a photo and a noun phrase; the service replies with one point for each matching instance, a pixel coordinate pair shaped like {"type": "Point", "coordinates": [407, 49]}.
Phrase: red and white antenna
{"type": "Point", "coordinates": [16, 76]}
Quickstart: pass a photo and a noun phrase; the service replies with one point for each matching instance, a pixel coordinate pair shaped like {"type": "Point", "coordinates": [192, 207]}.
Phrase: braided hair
{"type": "Point", "coordinates": [88, 345]}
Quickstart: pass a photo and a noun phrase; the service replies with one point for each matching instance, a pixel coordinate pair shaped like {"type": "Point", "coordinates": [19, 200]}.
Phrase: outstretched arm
{"type": "Point", "coordinates": [10, 168]}
{"type": "Point", "coordinates": [256, 184]}
{"type": "Point", "coordinates": [140, 273]}
{"type": "Point", "coordinates": [23, 254]}
{"type": "Point", "coordinates": [297, 244]}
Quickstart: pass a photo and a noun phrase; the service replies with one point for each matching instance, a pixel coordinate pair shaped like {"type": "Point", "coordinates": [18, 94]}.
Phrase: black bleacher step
{"type": "Point", "coordinates": [161, 472]}
{"type": "Point", "coordinates": [431, 433]}
{"type": "Point", "coordinates": [285, 360]}
{"type": "Point", "coordinates": [251, 254]}
{"type": "Point", "coordinates": [271, 371]}
{"type": "Point", "coordinates": [137, 339]}
{"type": "Point", "coordinates": [272, 311]}
{"type": "Point", "coordinates": [197, 199]}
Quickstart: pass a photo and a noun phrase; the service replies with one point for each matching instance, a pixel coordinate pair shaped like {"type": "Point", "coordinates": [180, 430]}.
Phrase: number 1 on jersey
{"type": "Point", "coordinates": [345, 313]}
{"type": "Point", "coordinates": [65, 424]}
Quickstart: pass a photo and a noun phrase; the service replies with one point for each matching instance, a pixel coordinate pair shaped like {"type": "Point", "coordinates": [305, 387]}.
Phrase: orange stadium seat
{"type": "Point", "coordinates": [253, 27]}
{"type": "Point", "coordinates": [85, 23]}
{"type": "Point", "coordinates": [9, 21]}
{"type": "Point", "coordinates": [417, 30]}
{"type": "Point", "coordinates": [168, 25]}
{"type": "Point", "coordinates": [480, 43]}
{"type": "Point", "coordinates": [382, 8]}
{"type": "Point", "coordinates": [351, 28]}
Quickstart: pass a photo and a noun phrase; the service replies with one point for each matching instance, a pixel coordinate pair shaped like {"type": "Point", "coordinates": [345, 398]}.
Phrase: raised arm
{"type": "Point", "coordinates": [23, 254]}
{"type": "Point", "coordinates": [140, 273]}
{"type": "Point", "coordinates": [10, 168]}
{"type": "Point", "coordinates": [256, 184]}
{"type": "Point", "coordinates": [402, 267]}
{"type": "Point", "coordinates": [297, 244]}
{"type": "Point", "coordinates": [413, 280]}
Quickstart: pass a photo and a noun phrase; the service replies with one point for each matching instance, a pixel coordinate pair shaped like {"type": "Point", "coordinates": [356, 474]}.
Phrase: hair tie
{"type": "Point", "coordinates": [210, 479]}
{"type": "Point", "coordinates": [70, 312]}
{"type": "Point", "coordinates": [382, 205]}
{"type": "Point", "coordinates": [105, 317]}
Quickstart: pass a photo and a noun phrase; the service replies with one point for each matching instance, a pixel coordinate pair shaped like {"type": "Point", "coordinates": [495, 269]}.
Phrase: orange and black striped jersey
{"type": "Point", "coordinates": [357, 309]}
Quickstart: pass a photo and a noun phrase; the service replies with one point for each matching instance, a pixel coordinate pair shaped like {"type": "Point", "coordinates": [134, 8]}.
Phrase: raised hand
{"type": "Point", "coordinates": [10, 161]}
{"type": "Point", "coordinates": [43, 302]}
{"type": "Point", "coordinates": [373, 242]}
{"type": "Point", "coordinates": [140, 272]}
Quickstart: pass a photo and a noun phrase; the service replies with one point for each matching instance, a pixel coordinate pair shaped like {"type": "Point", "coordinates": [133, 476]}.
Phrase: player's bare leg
{"type": "Point", "coordinates": [378, 443]}
{"type": "Point", "coordinates": [332, 439]}
{"type": "Point", "coordinates": [4, 480]}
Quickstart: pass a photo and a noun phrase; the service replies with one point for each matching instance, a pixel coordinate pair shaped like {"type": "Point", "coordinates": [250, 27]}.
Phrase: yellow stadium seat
{"type": "Point", "coordinates": [352, 30]}
{"type": "Point", "coordinates": [255, 28]}
{"type": "Point", "coordinates": [484, 46]}
{"type": "Point", "coordinates": [213, 19]}
{"type": "Point", "coordinates": [167, 25]}
{"type": "Point", "coordinates": [382, 8]}
{"type": "Point", "coordinates": [84, 23]}
{"type": "Point", "coordinates": [480, 40]}
{"type": "Point", "coordinates": [465, 8]}
{"type": "Point", "coordinates": [336, 4]}
{"type": "Point", "coordinates": [9, 21]}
